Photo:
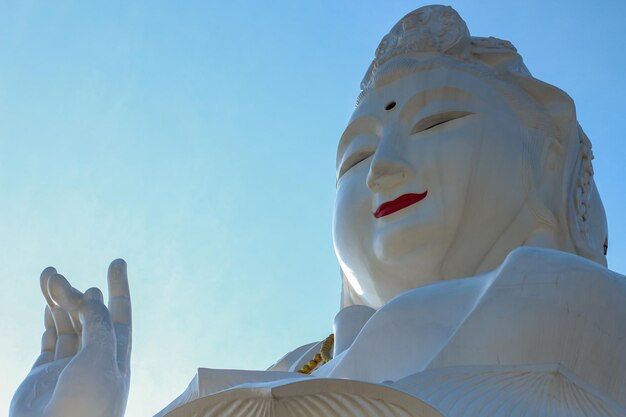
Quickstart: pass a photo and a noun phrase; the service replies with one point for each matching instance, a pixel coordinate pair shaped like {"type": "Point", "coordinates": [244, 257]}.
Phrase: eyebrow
{"type": "Point", "coordinates": [363, 124]}
{"type": "Point", "coordinates": [420, 100]}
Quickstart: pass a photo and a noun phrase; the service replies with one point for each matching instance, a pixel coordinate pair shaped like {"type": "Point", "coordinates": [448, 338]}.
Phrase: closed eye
{"type": "Point", "coordinates": [437, 120]}
{"type": "Point", "coordinates": [353, 160]}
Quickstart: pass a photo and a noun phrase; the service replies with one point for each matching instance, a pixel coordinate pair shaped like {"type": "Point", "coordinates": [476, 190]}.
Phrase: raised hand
{"type": "Point", "coordinates": [84, 366]}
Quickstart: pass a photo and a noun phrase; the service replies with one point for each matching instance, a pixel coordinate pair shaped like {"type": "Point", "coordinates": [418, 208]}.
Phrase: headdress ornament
{"type": "Point", "coordinates": [440, 30]}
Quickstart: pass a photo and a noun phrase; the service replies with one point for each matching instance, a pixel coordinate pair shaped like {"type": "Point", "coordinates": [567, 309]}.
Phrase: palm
{"type": "Point", "coordinates": [84, 366]}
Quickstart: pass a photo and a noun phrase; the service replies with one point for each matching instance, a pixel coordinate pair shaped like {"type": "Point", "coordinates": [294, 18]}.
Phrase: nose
{"type": "Point", "coordinates": [388, 169]}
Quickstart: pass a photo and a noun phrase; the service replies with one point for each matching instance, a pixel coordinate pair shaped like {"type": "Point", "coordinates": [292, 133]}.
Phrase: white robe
{"type": "Point", "coordinates": [544, 334]}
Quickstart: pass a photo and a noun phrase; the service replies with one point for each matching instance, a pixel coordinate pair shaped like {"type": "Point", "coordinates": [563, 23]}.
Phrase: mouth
{"type": "Point", "coordinates": [399, 203]}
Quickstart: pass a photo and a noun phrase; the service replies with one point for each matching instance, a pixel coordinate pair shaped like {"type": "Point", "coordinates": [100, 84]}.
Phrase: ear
{"type": "Point", "coordinates": [556, 148]}
{"type": "Point", "coordinates": [559, 106]}
{"type": "Point", "coordinates": [568, 150]}
{"type": "Point", "coordinates": [553, 148]}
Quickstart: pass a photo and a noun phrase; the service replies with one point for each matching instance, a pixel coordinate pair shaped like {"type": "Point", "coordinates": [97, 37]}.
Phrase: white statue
{"type": "Point", "coordinates": [472, 242]}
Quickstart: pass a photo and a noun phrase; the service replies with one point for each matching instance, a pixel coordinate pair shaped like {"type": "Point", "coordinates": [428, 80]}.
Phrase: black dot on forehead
{"type": "Point", "coordinates": [390, 105]}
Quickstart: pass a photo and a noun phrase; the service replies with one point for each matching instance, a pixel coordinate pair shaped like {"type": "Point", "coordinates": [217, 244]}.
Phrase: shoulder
{"type": "Point", "coordinates": [546, 306]}
{"type": "Point", "coordinates": [543, 261]}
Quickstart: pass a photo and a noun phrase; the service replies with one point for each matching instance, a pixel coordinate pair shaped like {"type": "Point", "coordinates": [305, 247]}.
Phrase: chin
{"type": "Point", "coordinates": [405, 237]}
{"type": "Point", "coordinates": [407, 264]}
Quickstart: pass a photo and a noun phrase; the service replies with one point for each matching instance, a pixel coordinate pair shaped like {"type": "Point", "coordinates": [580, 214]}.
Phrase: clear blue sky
{"type": "Point", "coordinates": [197, 140]}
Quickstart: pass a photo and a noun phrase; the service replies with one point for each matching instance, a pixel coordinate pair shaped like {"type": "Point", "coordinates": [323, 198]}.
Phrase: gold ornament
{"type": "Point", "coordinates": [320, 358]}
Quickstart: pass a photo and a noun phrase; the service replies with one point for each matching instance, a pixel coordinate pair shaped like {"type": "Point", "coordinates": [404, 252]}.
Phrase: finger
{"type": "Point", "coordinates": [49, 337]}
{"type": "Point", "coordinates": [43, 283]}
{"type": "Point", "coordinates": [68, 298]}
{"type": "Point", "coordinates": [119, 294]}
{"type": "Point", "coordinates": [67, 339]}
{"type": "Point", "coordinates": [93, 294]}
{"type": "Point", "coordinates": [98, 329]}
{"type": "Point", "coordinates": [63, 294]}
{"type": "Point", "coordinates": [48, 340]}
{"type": "Point", "coordinates": [64, 298]}
{"type": "Point", "coordinates": [121, 313]}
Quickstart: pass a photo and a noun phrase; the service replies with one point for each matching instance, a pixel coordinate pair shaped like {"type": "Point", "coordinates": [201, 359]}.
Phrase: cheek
{"type": "Point", "coordinates": [456, 167]}
{"type": "Point", "coordinates": [481, 170]}
{"type": "Point", "coordinates": [352, 219]}
{"type": "Point", "coordinates": [501, 164]}
{"type": "Point", "coordinates": [445, 165]}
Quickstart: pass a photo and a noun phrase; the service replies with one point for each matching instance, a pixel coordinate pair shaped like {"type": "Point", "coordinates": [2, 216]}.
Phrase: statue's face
{"type": "Point", "coordinates": [430, 180]}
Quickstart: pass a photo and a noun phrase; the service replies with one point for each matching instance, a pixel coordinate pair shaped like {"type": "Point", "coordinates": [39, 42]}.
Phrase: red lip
{"type": "Point", "coordinates": [399, 203]}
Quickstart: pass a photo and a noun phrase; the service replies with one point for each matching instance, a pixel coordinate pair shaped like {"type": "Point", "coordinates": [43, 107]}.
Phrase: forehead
{"type": "Point", "coordinates": [425, 86]}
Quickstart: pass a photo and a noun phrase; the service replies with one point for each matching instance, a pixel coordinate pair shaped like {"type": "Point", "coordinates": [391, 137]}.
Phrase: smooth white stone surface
{"type": "Point", "coordinates": [312, 397]}
{"type": "Point", "coordinates": [529, 390]}
{"type": "Point", "coordinates": [211, 381]}
{"type": "Point", "coordinates": [348, 324]}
